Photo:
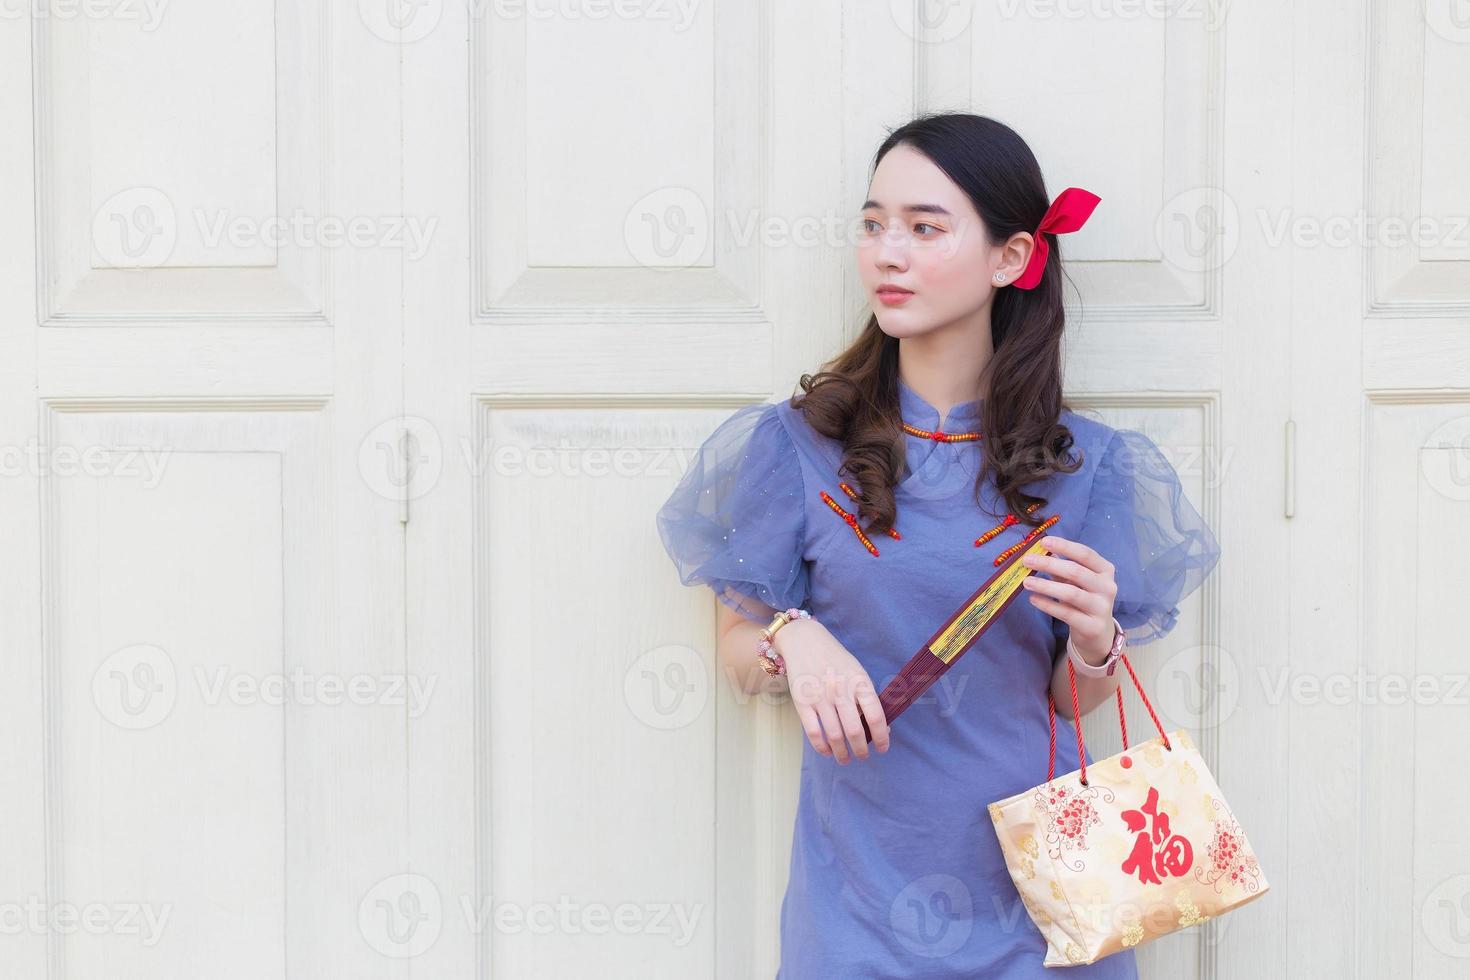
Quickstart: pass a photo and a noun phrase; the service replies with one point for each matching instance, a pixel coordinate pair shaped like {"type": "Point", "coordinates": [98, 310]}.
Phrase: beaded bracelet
{"type": "Point", "coordinates": [766, 654]}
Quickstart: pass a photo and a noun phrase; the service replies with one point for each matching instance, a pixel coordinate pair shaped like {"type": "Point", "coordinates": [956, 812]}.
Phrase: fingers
{"type": "Point", "coordinates": [835, 727]}
{"type": "Point", "coordinates": [872, 708]}
{"type": "Point", "coordinates": [837, 744]}
{"type": "Point", "coordinates": [852, 727]}
{"type": "Point", "coordinates": [833, 710]}
{"type": "Point", "coordinates": [812, 726]}
{"type": "Point", "coordinates": [1065, 570]}
{"type": "Point", "coordinates": [1080, 555]}
{"type": "Point", "coordinates": [1082, 579]}
{"type": "Point", "coordinates": [1064, 593]}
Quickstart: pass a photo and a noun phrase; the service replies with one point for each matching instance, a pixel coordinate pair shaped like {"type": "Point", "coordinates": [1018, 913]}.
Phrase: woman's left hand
{"type": "Point", "coordinates": [1080, 593]}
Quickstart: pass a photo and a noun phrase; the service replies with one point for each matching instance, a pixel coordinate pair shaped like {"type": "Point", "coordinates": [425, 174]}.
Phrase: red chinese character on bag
{"type": "Point", "coordinates": [1155, 853]}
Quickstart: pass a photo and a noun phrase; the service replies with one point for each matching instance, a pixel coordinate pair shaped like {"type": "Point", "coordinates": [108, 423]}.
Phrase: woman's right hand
{"type": "Point", "coordinates": [828, 688]}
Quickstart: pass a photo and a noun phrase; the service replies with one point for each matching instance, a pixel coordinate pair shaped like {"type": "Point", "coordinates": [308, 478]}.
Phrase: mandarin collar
{"type": "Point", "coordinates": [919, 413]}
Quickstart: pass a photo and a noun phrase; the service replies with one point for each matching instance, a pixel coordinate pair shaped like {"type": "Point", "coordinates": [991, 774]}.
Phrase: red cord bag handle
{"type": "Point", "coordinates": [1051, 711]}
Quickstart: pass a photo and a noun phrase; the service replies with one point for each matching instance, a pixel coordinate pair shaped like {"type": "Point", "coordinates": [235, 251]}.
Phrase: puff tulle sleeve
{"type": "Point", "coordinates": [1139, 519]}
{"type": "Point", "coordinates": [736, 521]}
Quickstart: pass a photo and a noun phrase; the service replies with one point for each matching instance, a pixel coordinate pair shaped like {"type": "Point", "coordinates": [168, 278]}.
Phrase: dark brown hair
{"type": "Point", "coordinates": [855, 397]}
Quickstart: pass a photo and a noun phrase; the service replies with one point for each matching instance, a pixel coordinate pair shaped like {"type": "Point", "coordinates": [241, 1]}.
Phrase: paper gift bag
{"type": "Point", "coordinates": [1127, 849]}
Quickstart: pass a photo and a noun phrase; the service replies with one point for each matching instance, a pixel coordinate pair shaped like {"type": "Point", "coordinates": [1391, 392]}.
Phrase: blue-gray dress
{"type": "Point", "coordinates": [895, 868]}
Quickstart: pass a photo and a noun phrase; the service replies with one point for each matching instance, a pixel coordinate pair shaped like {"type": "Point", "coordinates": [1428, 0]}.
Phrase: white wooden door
{"type": "Point", "coordinates": [1379, 702]}
{"type": "Point", "coordinates": [204, 719]}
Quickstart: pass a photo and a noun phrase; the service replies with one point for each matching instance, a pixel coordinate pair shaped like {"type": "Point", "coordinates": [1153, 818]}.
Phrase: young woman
{"type": "Point", "coordinates": [876, 502]}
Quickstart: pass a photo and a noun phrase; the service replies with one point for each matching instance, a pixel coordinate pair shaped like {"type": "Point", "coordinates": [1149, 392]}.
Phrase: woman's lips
{"type": "Point", "coordinates": [892, 296]}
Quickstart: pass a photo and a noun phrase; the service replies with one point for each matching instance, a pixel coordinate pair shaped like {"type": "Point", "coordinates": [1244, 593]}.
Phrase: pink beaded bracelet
{"type": "Point", "coordinates": [766, 654]}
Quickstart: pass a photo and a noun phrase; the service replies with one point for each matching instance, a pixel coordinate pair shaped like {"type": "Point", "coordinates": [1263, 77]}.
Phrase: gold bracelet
{"type": "Point", "coordinates": [766, 653]}
{"type": "Point", "coordinates": [780, 620]}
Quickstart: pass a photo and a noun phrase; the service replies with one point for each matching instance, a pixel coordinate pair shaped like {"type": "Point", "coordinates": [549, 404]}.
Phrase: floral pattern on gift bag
{"type": "Point", "coordinates": [1127, 849]}
{"type": "Point", "coordinates": [1228, 859]}
{"type": "Point", "coordinates": [1070, 814]}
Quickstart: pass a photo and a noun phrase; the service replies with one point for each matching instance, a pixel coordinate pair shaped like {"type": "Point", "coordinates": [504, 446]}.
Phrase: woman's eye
{"type": "Point", "coordinates": [872, 226]}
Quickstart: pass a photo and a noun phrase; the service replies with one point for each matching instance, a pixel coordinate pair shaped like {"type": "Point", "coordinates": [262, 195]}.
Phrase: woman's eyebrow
{"type": "Point", "coordinates": [911, 208]}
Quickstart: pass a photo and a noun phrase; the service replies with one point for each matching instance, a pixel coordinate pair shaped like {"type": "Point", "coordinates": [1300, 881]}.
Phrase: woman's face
{"type": "Point", "coordinates": [921, 234]}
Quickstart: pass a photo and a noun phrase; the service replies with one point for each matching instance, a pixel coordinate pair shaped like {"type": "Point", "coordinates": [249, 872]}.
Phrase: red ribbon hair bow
{"type": "Point", "coordinates": [1068, 212]}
